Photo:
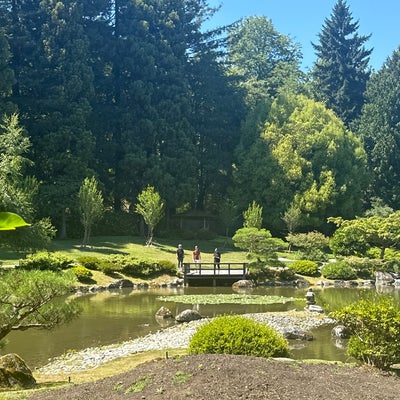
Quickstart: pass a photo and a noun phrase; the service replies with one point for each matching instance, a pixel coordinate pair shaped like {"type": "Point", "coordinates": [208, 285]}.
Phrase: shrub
{"type": "Point", "coordinates": [83, 274]}
{"type": "Point", "coordinates": [46, 261]}
{"type": "Point", "coordinates": [374, 326]}
{"type": "Point", "coordinates": [90, 262]}
{"type": "Point", "coordinates": [304, 267]}
{"type": "Point", "coordinates": [364, 267]}
{"type": "Point", "coordinates": [238, 335]}
{"type": "Point", "coordinates": [107, 267]}
{"type": "Point", "coordinates": [338, 270]}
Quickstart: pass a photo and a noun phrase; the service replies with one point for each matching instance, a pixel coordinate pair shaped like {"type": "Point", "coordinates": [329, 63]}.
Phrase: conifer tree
{"type": "Point", "coordinates": [341, 71]}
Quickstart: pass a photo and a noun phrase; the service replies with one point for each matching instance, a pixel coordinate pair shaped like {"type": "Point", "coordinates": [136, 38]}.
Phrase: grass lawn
{"type": "Point", "coordinates": [163, 249]}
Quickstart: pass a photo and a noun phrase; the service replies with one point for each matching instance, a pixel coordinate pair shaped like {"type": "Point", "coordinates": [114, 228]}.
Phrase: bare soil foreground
{"type": "Point", "coordinates": [228, 377]}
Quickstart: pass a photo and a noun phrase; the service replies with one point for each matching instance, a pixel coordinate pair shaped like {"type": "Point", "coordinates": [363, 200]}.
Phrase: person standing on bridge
{"type": "Point", "coordinates": [180, 255]}
{"type": "Point", "coordinates": [217, 259]}
{"type": "Point", "coordinates": [196, 255]}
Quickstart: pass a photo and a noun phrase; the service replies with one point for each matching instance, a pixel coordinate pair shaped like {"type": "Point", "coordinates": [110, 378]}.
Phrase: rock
{"type": "Point", "coordinates": [188, 315]}
{"type": "Point", "coordinates": [14, 372]}
{"type": "Point", "coordinates": [340, 331]}
{"type": "Point", "coordinates": [297, 334]}
{"type": "Point", "coordinates": [383, 278]}
{"type": "Point", "coordinates": [243, 283]}
{"type": "Point", "coordinates": [164, 313]}
{"type": "Point", "coordinates": [314, 308]}
{"type": "Point", "coordinates": [120, 284]}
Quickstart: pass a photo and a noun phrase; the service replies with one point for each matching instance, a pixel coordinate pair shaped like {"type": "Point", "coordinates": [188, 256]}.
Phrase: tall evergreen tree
{"type": "Point", "coordinates": [380, 130]}
{"type": "Point", "coordinates": [57, 116]}
{"type": "Point", "coordinates": [341, 71]}
{"type": "Point", "coordinates": [7, 78]}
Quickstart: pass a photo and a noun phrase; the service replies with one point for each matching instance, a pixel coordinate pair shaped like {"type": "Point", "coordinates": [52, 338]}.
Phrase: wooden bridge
{"type": "Point", "coordinates": [210, 274]}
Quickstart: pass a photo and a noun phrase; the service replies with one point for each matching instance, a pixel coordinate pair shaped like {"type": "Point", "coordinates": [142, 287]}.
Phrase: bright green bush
{"type": "Point", "coordinates": [107, 267]}
{"type": "Point", "coordinates": [304, 267]}
{"type": "Point", "coordinates": [90, 262]}
{"type": "Point", "coordinates": [238, 335]}
{"type": "Point", "coordinates": [338, 270]}
{"type": "Point", "coordinates": [374, 326]}
{"type": "Point", "coordinates": [83, 274]}
{"type": "Point", "coordinates": [46, 261]}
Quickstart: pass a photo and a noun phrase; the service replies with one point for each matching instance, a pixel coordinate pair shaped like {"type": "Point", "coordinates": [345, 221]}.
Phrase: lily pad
{"type": "Point", "coordinates": [228, 299]}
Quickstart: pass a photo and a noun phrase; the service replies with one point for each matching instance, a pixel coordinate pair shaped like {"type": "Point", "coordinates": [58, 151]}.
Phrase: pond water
{"type": "Point", "coordinates": [113, 317]}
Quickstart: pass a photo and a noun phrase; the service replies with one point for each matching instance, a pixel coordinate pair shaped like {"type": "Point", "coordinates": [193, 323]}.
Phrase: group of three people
{"type": "Point", "coordinates": [180, 254]}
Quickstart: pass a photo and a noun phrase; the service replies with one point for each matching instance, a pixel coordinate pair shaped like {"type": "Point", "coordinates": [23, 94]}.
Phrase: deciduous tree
{"type": "Point", "coordinates": [151, 208]}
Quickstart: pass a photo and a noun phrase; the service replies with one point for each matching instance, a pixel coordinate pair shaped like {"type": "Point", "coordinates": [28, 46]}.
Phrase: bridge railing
{"type": "Point", "coordinates": [208, 268]}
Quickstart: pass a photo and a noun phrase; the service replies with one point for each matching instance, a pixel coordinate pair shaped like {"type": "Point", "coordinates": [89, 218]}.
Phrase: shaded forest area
{"type": "Point", "coordinates": [136, 93]}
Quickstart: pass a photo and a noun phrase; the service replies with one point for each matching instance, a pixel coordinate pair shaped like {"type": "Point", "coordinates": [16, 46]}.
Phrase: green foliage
{"type": "Point", "coordinates": [91, 206]}
{"type": "Point", "coordinates": [89, 262]}
{"type": "Point", "coordinates": [253, 216]}
{"type": "Point", "coordinates": [304, 267]}
{"type": "Point", "coordinates": [312, 244]}
{"type": "Point", "coordinates": [364, 267]}
{"type": "Point", "coordinates": [27, 299]}
{"type": "Point", "coordinates": [356, 236]}
{"type": "Point", "coordinates": [151, 208]}
{"type": "Point", "coordinates": [83, 274]}
{"type": "Point", "coordinates": [257, 241]}
{"type": "Point", "coordinates": [238, 335]}
{"type": "Point", "coordinates": [45, 261]}
{"type": "Point", "coordinates": [306, 158]}
{"type": "Point", "coordinates": [374, 325]}
{"type": "Point", "coordinates": [380, 129]}
{"type": "Point", "coordinates": [11, 221]}
{"type": "Point", "coordinates": [341, 71]}
{"type": "Point", "coordinates": [338, 270]}
{"type": "Point", "coordinates": [135, 267]}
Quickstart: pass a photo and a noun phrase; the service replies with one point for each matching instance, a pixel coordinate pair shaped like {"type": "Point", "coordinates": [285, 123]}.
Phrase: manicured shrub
{"type": "Point", "coordinates": [238, 335]}
{"type": "Point", "coordinates": [338, 270]}
{"type": "Point", "coordinates": [90, 262]}
{"type": "Point", "coordinates": [304, 267]}
{"type": "Point", "coordinates": [46, 261]}
{"type": "Point", "coordinates": [374, 326]}
{"type": "Point", "coordinates": [83, 274]}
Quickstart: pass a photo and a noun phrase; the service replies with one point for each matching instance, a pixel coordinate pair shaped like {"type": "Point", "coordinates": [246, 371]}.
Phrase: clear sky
{"type": "Point", "coordinates": [302, 20]}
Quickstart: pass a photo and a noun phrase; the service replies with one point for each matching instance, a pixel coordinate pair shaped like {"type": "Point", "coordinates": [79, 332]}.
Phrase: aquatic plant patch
{"type": "Point", "coordinates": [228, 299]}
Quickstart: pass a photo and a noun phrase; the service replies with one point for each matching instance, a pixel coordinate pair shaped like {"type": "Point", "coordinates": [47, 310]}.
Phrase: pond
{"type": "Point", "coordinates": [113, 317]}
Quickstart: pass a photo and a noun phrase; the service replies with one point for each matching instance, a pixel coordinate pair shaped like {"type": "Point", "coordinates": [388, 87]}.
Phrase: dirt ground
{"type": "Point", "coordinates": [224, 377]}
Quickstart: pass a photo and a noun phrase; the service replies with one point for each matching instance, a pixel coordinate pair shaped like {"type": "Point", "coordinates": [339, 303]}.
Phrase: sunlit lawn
{"type": "Point", "coordinates": [163, 249]}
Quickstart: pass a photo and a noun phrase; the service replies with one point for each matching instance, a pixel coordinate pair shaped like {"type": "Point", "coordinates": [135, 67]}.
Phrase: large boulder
{"type": "Point", "coordinates": [14, 372]}
{"type": "Point", "coordinates": [188, 315]}
{"type": "Point", "coordinates": [243, 283]}
{"type": "Point", "coordinates": [383, 278]}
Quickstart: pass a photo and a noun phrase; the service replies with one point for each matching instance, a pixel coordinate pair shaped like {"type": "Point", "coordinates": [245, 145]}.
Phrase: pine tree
{"type": "Point", "coordinates": [341, 71]}
{"type": "Point", "coordinates": [380, 130]}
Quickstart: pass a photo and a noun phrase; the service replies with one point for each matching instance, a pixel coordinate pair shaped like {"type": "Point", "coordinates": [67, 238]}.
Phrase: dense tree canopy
{"type": "Point", "coordinates": [305, 157]}
{"type": "Point", "coordinates": [380, 130]}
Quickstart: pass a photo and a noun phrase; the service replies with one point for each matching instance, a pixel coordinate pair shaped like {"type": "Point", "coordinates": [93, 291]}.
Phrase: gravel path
{"type": "Point", "coordinates": [177, 336]}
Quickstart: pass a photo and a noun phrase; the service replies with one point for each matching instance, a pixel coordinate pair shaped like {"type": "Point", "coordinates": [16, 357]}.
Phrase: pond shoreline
{"type": "Point", "coordinates": [174, 337]}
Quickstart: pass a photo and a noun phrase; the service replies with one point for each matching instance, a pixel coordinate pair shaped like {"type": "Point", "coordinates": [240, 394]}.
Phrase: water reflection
{"type": "Point", "coordinates": [115, 317]}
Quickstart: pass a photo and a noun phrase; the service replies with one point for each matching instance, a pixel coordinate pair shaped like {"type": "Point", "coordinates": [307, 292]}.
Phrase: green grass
{"type": "Point", "coordinates": [163, 249]}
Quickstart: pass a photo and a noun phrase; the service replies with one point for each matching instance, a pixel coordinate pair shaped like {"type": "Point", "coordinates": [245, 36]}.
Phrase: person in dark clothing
{"type": "Point", "coordinates": [217, 258]}
{"type": "Point", "coordinates": [180, 255]}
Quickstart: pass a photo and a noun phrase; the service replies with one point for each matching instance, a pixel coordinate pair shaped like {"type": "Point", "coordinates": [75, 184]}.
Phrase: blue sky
{"type": "Point", "coordinates": [303, 20]}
